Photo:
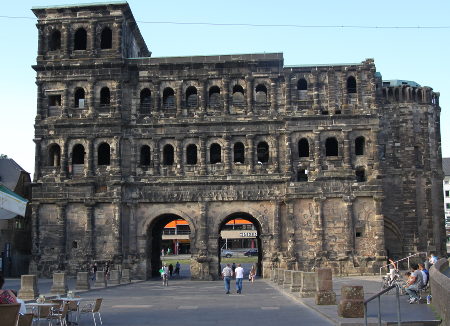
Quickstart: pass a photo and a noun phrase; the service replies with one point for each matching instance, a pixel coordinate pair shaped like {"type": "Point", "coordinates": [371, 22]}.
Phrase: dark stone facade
{"type": "Point", "coordinates": [332, 167]}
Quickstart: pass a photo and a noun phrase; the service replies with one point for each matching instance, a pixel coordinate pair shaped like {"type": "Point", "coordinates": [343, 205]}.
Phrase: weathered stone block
{"type": "Point", "coordinates": [114, 277]}
{"type": "Point", "coordinates": [100, 281]}
{"type": "Point", "coordinates": [59, 284]}
{"type": "Point", "coordinates": [280, 279]}
{"type": "Point", "coordinates": [82, 281]}
{"type": "Point", "coordinates": [324, 279]}
{"type": "Point", "coordinates": [275, 275]}
{"type": "Point", "coordinates": [351, 304]}
{"type": "Point", "coordinates": [296, 281]}
{"type": "Point", "coordinates": [308, 284]}
{"type": "Point", "coordinates": [28, 287]}
{"type": "Point", "coordinates": [325, 298]}
{"type": "Point", "coordinates": [272, 274]}
{"type": "Point", "coordinates": [125, 276]}
{"type": "Point", "coordinates": [287, 279]}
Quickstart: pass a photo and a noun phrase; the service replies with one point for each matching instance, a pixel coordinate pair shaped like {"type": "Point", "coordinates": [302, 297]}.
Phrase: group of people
{"type": "Point", "coordinates": [231, 271]}
{"type": "Point", "coordinates": [168, 271]}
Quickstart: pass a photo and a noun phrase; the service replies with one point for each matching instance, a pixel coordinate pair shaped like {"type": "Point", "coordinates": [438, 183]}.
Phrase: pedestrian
{"type": "Point", "coordinates": [94, 271]}
{"type": "Point", "coordinates": [239, 272]}
{"type": "Point", "coordinates": [165, 274]}
{"type": "Point", "coordinates": [233, 267]}
{"type": "Point", "coordinates": [170, 269]}
{"type": "Point", "coordinates": [107, 270]}
{"type": "Point", "coordinates": [162, 252]}
{"type": "Point", "coordinates": [227, 273]}
{"type": "Point", "coordinates": [252, 274]}
{"type": "Point", "coordinates": [177, 269]}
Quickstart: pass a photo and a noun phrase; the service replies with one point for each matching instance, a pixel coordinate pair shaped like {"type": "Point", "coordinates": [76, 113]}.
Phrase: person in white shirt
{"type": "Point", "coordinates": [239, 272]}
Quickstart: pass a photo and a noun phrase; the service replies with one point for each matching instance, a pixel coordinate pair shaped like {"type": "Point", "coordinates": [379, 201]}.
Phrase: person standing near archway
{"type": "Point", "coordinates": [227, 274]}
{"type": "Point", "coordinates": [239, 272]}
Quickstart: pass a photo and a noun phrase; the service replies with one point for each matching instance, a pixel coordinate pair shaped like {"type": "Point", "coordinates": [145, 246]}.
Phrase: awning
{"type": "Point", "coordinates": [11, 204]}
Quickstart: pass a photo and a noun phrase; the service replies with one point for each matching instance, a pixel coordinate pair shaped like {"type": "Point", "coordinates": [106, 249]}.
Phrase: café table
{"type": "Point", "coordinates": [38, 307]}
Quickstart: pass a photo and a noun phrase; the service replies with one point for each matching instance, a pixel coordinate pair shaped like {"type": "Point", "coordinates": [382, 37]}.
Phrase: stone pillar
{"type": "Point", "coordinates": [276, 154]}
{"type": "Point", "coordinates": [308, 285]}
{"type": "Point", "coordinates": [272, 274]}
{"type": "Point", "coordinates": [379, 227]}
{"type": "Point", "coordinates": [90, 46]}
{"type": "Point", "coordinates": [351, 304]}
{"type": "Point", "coordinates": [324, 287]}
{"type": "Point", "coordinates": [347, 150]}
{"type": "Point", "coordinates": [273, 95]}
{"type": "Point", "coordinates": [250, 153]}
{"type": "Point", "coordinates": [226, 96]}
{"type": "Point", "coordinates": [41, 41]}
{"type": "Point", "coordinates": [59, 284]}
{"type": "Point", "coordinates": [37, 158]}
{"type": "Point", "coordinates": [65, 40]}
{"type": "Point", "coordinates": [64, 158]}
{"type": "Point", "coordinates": [288, 154]}
{"type": "Point", "coordinates": [82, 281]}
{"type": "Point", "coordinates": [287, 279]}
{"type": "Point", "coordinates": [227, 154]}
{"type": "Point", "coordinates": [90, 227]}
{"type": "Point", "coordinates": [125, 276]}
{"type": "Point", "coordinates": [28, 287]}
{"type": "Point", "coordinates": [276, 228]}
{"type": "Point", "coordinates": [179, 163]}
{"type": "Point", "coordinates": [319, 225]}
{"type": "Point", "coordinates": [296, 281]}
{"type": "Point", "coordinates": [61, 221]}
{"type": "Point", "coordinates": [203, 90]}
{"type": "Point", "coordinates": [156, 157]}
{"type": "Point", "coordinates": [35, 239]}
{"type": "Point", "coordinates": [65, 102]}
{"type": "Point", "coordinates": [349, 228]}
{"type": "Point", "coordinates": [250, 87]}
{"type": "Point", "coordinates": [40, 113]}
{"type": "Point", "coordinates": [90, 160]}
{"type": "Point", "coordinates": [118, 45]}
{"type": "Point", "coordinates": [280, 278]}
{"type": "Point", "coordinates": [100, 281]}
{"type": "Point", "coordinates": [275, 275]}
{"type": "Point", "coordinates": [317, 153]}
{"type": "Point", "coordinates": [203, 162]}
{"type": "Point", "coordinates": [117, 230]}
{"type": "Point", "coordinates": [91, 98]}
{"type": "Point", "coordinates": [178, 100]}
{"type": "Point", "coordinates": [290, 231]}
{"type": "Point", "coordinates": [114, 277]}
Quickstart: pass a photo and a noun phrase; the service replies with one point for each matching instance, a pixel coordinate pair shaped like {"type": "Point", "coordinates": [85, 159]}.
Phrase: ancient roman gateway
{"type": "Point", "coordinates": [334, 166]}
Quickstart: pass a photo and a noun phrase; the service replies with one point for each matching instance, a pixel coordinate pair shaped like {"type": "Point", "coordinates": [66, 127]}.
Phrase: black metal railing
{"type": "Point", "coordinates": [378, 295]}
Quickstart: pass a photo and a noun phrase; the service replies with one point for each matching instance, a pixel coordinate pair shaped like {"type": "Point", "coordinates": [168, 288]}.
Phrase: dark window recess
{"type": "Point", "coordinates": [302, 85]}
{"type": "Point", "coordinates": [238, 95]}
{"type": "Point", "coordinates": [351, 85]}
{"type": "Point", "coordinates": [302, 175]}
{"type": "Point", "coordinates": [447, 205]}
{"type": "Point", "coordinates": [214, 96]}
{"type": "Point", "coordinates": [106, 38]}
{"type": "Point", "coordinates": [145, 155]}
{"type": "Point", "coordinates": [168, 98]}
{"type": "Point", "coordinates": [359, 145]}
{"type": "Point", "coordinates": [191, 97]}
{"type": "Point", "coordinates": [303, 148]}
{"type": "Point", "coordinates": [360, 174]}
{"type": "Point", "coordinates": [261, 94]}
{"type": "Point", "coordinates": [55, 41]}
{"type": "Point", "coordinates": [447, 193]}
{"type": "Point", "coordinates": [168, 155]}
{"type": "Point", "coordinates": [239, 153]}
{"type": "Point", "coordinates": [324, 112]}
{"type": "Point", "coordinates": [358, 234]}
{"type": "Point", "coordinates": [78, 154]}
{"type": "Point", "coordinates": [105, 97]}
{"type": "Point", "coordinates": [331, 147]}
{"type": "Point", "coordinates": [215, 154]}
{"type": "Point", "coordinates": [80, 39]}
{"type": "Point", "coordinates": [79, 98]}
{"type": "Point", "coordinates": [146, 101]}
{"type": "Point", "coordinates": [262, 151]}
{"type": "Point", "coordinates": [104, 154]}
{"type": "Point", "coordinates": [54, 100]}
{"type": "Point", "coordinates": [74, 244]}
{"type": "Point", "coordinates": [54, 155]}
{"type": "Point", "coordinates": [337, 112]}
{"type": "Point", "coordinates": [191, 154]}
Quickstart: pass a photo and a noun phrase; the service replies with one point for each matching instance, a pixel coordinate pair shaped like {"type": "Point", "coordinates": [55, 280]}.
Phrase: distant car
{"type": "Point", "coordinates": [251, 252]}
{"type": "Point", "coordinates": [226, 253]}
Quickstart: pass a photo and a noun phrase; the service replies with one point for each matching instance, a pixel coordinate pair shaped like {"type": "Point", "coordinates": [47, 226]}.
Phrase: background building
{"type": "Point", "coordinates": [332, 165]}
{"type": "Point", "coordinates": [446, 169]}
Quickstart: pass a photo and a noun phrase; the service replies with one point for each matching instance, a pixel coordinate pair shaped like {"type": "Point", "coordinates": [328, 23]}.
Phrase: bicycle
{"type": "Point", "coordinates": [396, 280]}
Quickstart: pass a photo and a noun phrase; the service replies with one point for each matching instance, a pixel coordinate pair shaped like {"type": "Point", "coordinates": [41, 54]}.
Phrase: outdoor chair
{"type": "Point", "coordinates": [93, 308]}
{"type": "Point", "coordinates": [74, 307]}
{"type": "Point", "coordinates": [25, 320]}
{"type": "Point", "coordinates": [9, 314]}
{"type": "Point", "coordinates": [59, 315]}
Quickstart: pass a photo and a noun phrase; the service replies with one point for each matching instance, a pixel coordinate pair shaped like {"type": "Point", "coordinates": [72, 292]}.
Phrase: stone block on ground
{"type": "Point", "coordinates": [325, 298]}
{"type": "Point", "coordinates": [351, 304]}
{"type": "Point", "coordinates": [100, 281]}
{"type": "Point", "coordinates": [275, 275]}
{"type": "Point", "coordinates": [82, 281]}
{"type": "Point", "coordinates": [125, 276]}
{"type": "Point", "coordinates": [296, 281]}
{"type": "Point", "coordinates": [28, 287]}
{"type": "Point", "coordinates": [114, 277]}
{"type": "Point", "coordinates": [324, 287]}
{"type": "Point", "coordinates": [287, 279]}
{"type": "Point", "coordinates": [308, 285]}
{"type": "Point", "coordinates": [280, 278]}
{"type": "Point", "coordinates": [59, 284]}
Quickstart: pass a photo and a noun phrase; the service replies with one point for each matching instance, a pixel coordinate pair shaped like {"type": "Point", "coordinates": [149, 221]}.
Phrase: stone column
{"type": "Point", "coordinates": [156, 157]}
{"type": "Point", "coordinates": [41, 41]}
{"type": "Point", "coordinates": [116, 102]}
{"type": "Point", "coordinates": [41, 112]}
{"type": "Point", "coordinates": [65, 40]}
{"type": "Point", "coordinates": [347, 149]}
{"type": "Point", "coordinates": [91, 32]}
{"type": "Point", "coordinates": [276, 154]}
{"type": "Point", "coordinates": [273, 95]}
{"type": "Point", "coordinates": [35, 241]}
{"type": "Point", "coordinates": [179, 100]}
{"type": "Point", "coordinates": [276, 227]}
{"type": "Point", "coordinates": [379, 227]}
{"type": "Point", "coordinates": [203, 161]}
{"type": "Point", "coordinates": [117, 231]}
{"type": "Point", "coordinates": [28, 287]}
{"type": "Point", "coordinates": [351, 304]}
{"type": "Point", "coordinates": [324, 286]}
{"type": "Point", "coordinates": [317, 153]}
{"type": "Point", "coordinates": [288, 154]}
{"type": "Point", "coordinates": [90, 160]}
{"type": "Point", "coordinates": [315, 90]}
{"type": "Point", "coordinates": [64, 168]}
{"type": "Point", "coordinates": [90, 227]}
{"type": "Point", "coordinates": [62, 235]}
{"type": "Point", "coordinates": [65, 102]}
{"type": "Point", "coordinates": [37, 158]}
{"type": "Point", "coordinates": [59, 284]}
{"type": "Point", "coordinates": [250, 87]}
{"type": "Point", "coordinates": [280, 278]}
{"type": "Point", "coordinates": [289, 93]}
{"type": "Point", "coordinates": [250, 153]}
{"type": "Point", "coordinates": [91, 98]}
{"type": "Point", "coordinates": [349, 228]}
{"type": "Point", "coordinates": [203, 90]}
{"type": "Point", "coordinates": [227, 154]}
{"type": "Point", "coordinates": [179, 163]}
{"type": "Point", "coordinates": [291, 258]}
{"type": "Point", "coordinates": [118, 45]}
{"type": "Point", "coordinates": [226, 96]}
{"type": "Point", "coordinates": [83, 281]}
{"type": "Point", "coordinates": [319, 225]}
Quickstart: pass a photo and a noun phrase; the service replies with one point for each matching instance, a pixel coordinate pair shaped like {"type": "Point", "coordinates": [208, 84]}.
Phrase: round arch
{"type": "Point", "coordinates": [393, 239]}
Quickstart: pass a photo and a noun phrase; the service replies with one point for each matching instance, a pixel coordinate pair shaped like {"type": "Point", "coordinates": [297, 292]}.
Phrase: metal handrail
{"type": "Point", "coordinates": [378, 295]}
{"type": "Point", "coordinates": [406, 258]}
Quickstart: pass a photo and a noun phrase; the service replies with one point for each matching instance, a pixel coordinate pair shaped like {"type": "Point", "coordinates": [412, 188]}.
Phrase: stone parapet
{"type": "Point", "coordinates": [82, 281]}
{"type": "Point", "coordinates": [28, 287]}
{"type": "Point", "coordinates": [351, 304]}
{"type": "Point", "coordinates": [59, 284]}
{"type": "Point", "coordinates": [440, 289]}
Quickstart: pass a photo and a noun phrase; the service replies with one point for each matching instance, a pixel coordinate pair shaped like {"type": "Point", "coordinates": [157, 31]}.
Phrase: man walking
{"type": "Point", "coordinates": [239, 272]}
{"type": "Point", "coordinates": [227, 273]}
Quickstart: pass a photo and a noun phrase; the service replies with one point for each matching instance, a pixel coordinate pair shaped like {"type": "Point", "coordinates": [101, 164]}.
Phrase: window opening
{"type": "Point", "coordinates": [239, 153]}
{"type": "Point", "coordinates": [191, 154]}
{"type": "Point", "coordinates": [105, 97]}
{"type": "Point", "coordinates": [54, 100]}
{"type": "Point", "coordinates": [54, 155]}
{"type": "Point", "coordinates": [146, 100]}
{"type": "Point", "coordinates": [359, 145]}
{"type": "Point", "coordinates": [168, 98]}
{"type": "Point", "coordinates": [80, 39]}
{"type": "Point", "coordinates": [262, 150]}
{"type": "Point", "coordinates": [106, 38]}
{"type": "Point", "coordinates": [261, 94]}
{"type": "Point", "coordinates": [447, 193]}
{"type": "Point", "coordinates": [214, 96]}
{"type": "Point", "coordinates": [79, 98]}
{"type": "Point", "coordinates": [331, 147]}
{"type": "Point", "coordinates": [302, 175]}
{"type": "Point", "coordinates": [215, 154]}
{"type": "Point", "coordinates": [302, 85]}
{"type": "Point", "coordinates": [55, 41]}
{"type": "Point", "coordinates": [78, 154]}
{"type": "Point", "coordinates": [351, 85]}
{"type": "Point", "coordinates": [145, 155]}
{"type": "Point", "coordinates": [360, 174]}
{"type": "Point", "coordinates": [303, 148]}
{"type": "Point", "coordinates": [168, 155]}
{"type": "Point", "coordinates": [191, 97]}
{"type": "Point", "coordinates": [238, 95]}
{"type": "Point", "coordinates": [104, 154]}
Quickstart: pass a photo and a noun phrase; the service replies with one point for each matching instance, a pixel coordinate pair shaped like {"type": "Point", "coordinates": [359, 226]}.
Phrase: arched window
{"type": "Point", "coordinates": [303, 148]}
{"type": "Point", "coordinates": [191, 154]}
{"type": "Point", "coordinates": [239, 153]}
{"type": "Point", "coordinates": [302, 85]}
{"type": "Point", "coordinates": [80, 39]}
{"type": "Point", "coordinates": [79, 97]}
{"type": "Point", "coordinates": [331, 147]}
{"type": "Point", "coordinates": [360, 174]}
{"type": "Point", "coordinates": [214, 96]}
{"type": "Point", "coordinates": [78, 154]}
{"type": "Point", "coordinates": [146, 100]}
{"type": "Point", "coordinates": [359, 145]}
{"type": "Point", "coordinates": [215, 154]}
{"type": "Point", "coordinates": [104, 154]}
{"type": "Point", "coordinates": [168, 98]}
{"type": "Point", "coordinates": [145, 155]}
{"type": "Point", "coordinates": [54, 155]}
{"type": "Point", "coordinates": [261, 94]}
{"type": "Point", "coordinates": [238, 95]}
{"type": "Point", "coordinates": [105, 97]}
{"type": "Point", "coordinates": [106, 38]}
{"type": "Point", "coordinates": [351, 85]}
{"type": "Point", "coordinates": [55, 41]}
{"type": "Point", "coordinates": [262, 151]}
{"type": "Point", "coordinates": [191, 97]}
{"type": "Point", "coordinates": [168, 155]}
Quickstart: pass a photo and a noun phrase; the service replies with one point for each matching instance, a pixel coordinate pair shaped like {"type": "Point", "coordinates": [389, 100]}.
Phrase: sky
{"type": "Point", "coordinates": [418, 54]}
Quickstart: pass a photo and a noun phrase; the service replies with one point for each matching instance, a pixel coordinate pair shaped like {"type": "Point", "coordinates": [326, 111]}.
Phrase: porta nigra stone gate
{"type": "Point", "coordinates": [332, 165]}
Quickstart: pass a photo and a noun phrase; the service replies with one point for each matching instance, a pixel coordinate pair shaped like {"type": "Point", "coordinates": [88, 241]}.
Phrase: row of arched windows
{"type": "Point", "coordinates": [331, 147]}
{"type": "Point", "coordinates": [80, 39]}
{"type": "Point", "coordinates": [302, 85]}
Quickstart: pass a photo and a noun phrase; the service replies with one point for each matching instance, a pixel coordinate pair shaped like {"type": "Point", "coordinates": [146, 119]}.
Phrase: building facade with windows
{"type": "Point", "coordinates": [332, 165]}
{"type": "Point", "coordinates": [446, 184]}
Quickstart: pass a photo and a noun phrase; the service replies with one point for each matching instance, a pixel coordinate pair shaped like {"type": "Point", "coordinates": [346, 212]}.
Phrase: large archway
{"type": "Point", "coordinates": [160, 237]}
{"type": "Point", "coordinates": [244, 234]}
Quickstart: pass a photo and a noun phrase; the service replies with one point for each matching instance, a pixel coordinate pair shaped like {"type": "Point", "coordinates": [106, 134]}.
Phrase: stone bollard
{"type": "Point", "coordinates": [308, 285]}
{"type": "Point", "coordinates": [351, 304]}
{"type": "Point", "coordinates": [125, 276]}
{"type": "Point", "coordinates": [275, 275]}
{"type": "Point", "coordinates": [100, 281]}
{"type": "Point", "coordinates": [59, 284]}
{"type": "Point", "coordinates": [280, 278]}
{"type": "Point", "coordinates": [114, 277]}
{"type": "Point", "coordinates": [82, 281]}
{"type": "Point", "coordinates": [296, 281]}
{"type": "Point", "coordinates": [272, 274]}
{"type": "Point", "coordinates": [324, 287]}
{"type": "Point", "coordinates": [28, 287]}
{"type": "Point", "coordinates": [287, 279]}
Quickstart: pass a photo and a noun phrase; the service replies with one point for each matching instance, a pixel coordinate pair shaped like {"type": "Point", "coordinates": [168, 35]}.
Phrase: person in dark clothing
{"type": "Point", "coordinates": [233, 267]}
{"type": "Point", "coordinates": [170, 270]}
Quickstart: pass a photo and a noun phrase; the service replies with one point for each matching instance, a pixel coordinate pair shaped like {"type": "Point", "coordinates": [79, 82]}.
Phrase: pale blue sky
{"type": "Point", "coordinates": [421, 55]}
